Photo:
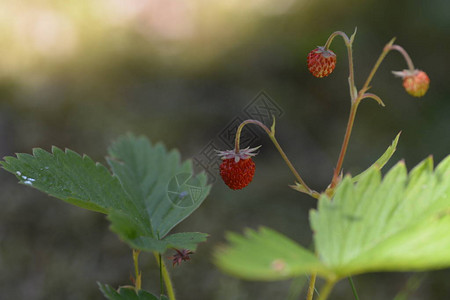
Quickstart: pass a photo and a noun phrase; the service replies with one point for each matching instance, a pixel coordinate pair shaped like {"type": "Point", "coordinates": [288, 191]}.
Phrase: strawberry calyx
{"type": "Point", "coordinates": [240, 154]}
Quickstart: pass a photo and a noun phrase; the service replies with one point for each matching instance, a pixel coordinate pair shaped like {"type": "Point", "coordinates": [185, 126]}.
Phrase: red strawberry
{"type": "Point", "coordinates": [237, 169]}
{"type": "Point", "coordinates": [321, 62]}
{"type": "Point", "coordinates": [415, 82]}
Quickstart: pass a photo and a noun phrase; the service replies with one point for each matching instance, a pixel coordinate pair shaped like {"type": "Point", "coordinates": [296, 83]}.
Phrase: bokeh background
{"type": "Point", "coordinates": [78, 74]}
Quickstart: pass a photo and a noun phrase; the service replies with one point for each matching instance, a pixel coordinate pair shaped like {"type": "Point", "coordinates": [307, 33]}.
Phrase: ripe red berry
{"type": "Point", "coordinates": [237, 175]}
{"type": "Point", "coordinates": [415, 82]}
{"type": "Point", "coordinates": [321, 62]}
{"type": "Point", "coordinates": [237, 169]}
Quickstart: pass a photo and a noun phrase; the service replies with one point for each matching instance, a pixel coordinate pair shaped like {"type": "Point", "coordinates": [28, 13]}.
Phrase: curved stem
{"type": "Point", "coordinates": [241, 126]}
{"type": "Point", "coordinates": [165, 276]}
{"type": "Point", "coordinates": [348, 44]}
{"type": "Point", "coordinates": [405, 55]}
{"type": "Point", "coordinates": [138, 277]}
{"type": "Point", "coordinates": [311, 287]}
{"type": "Point", "coordinates": [271, 134]}
{"type": "Point", "coordinates": [326, 290]}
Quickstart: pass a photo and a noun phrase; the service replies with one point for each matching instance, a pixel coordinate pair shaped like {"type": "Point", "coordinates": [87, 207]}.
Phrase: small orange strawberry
{"type": "Point", "coordinates": [415, 82]}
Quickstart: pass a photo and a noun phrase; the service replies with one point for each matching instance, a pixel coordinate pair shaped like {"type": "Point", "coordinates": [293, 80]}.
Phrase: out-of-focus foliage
{"type": "Point", "coordinates": [365, 227]}
{"type": "Point", "coordinates": [78, 74]}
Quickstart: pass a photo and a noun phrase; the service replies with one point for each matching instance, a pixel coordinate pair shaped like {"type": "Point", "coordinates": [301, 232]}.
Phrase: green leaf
{"type": "Point", "coordinates": [163, 188]}
{"type": "Point", "coordinates": [399, 223]}
{"type": "Point", "coordinates": [383, 159]}
{"type": "Point", "coordinates": [266, 255]}
{"type": "Point", "coordinates": [150, 192]}
{"type": "Point", "coordinates": [69, 177]}
{"type": "Point", "coordinates": [125, 293]}
{"type": "Point", "coordinates": [138, 237]}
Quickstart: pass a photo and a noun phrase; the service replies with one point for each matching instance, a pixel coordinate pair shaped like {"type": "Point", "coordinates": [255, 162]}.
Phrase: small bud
{"type": "Point", "coordinates": [416, 83]}
{"type": "Point", "coordinates": [321, 62]}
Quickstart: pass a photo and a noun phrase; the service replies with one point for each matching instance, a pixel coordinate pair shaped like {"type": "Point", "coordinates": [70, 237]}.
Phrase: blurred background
{"type": "Point", "coordinates": [78, 74]}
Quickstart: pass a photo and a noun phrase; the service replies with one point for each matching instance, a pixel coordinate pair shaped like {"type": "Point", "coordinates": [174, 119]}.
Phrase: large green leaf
{"type": "Point", "coordinates": [266, 255]}
{"type": "Point", "coordinates": [155, 180]}
{"type": "Point", "coordinates": [151, 176]}
{"type": "Point", "coordinates": [70, 177]}
{"type": "Point", "coordinates": [399, 223]}
{"type": "Point", "coordinates": [150, 192]}
{"type": "Point", "coordinates": [125, 293]}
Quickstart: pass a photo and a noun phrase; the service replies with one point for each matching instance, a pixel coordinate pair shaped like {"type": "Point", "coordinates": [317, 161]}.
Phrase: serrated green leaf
{"type": "Point", "coordinates": [150, 192]}
{"type": "Point", "coordinates": [125, 293]}
{"type": "Point", "coordinates": [69, 177]}
{"type": "Point", "coordinates": [137, 236]}
{"type": "Point", "coordinates": [383, 158]}
{"type": "Point", "coordinates": [266, 255]}
{"type": "Point", "coordinates": [161, 187]}
{"type": "Point", "coordinates": [398, 223]}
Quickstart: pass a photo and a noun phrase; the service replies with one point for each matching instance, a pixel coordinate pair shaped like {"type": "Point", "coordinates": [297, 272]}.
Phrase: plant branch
{"type": "Point", "coordinates": [138, 274]}
{"type": "Point", "coordinates": [355, 102]}
{"type": "Point", "coordinates": [348, 44]}
{"type": "Point", "coordinates": [348, 132]}
{"type": "Point", "coordinates": [271, 134]}
{"type": "Point", "coordinates": [311, 287]}
{"type": "Point", "coordinates": [383, 54]}
{"type": "Point", "coordinates": [405, 55]}
{"type": "Point", "coordinates": [355, 293]}
{"type": "Point", "coordinates": [165, 276]}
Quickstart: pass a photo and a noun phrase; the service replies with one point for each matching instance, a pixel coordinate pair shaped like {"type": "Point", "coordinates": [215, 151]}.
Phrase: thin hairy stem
{"type": "Point", "coordinates": [355, 293]}
{"type": "Point", "coordinates": [355, 102]}
{"type": "Point", "coordinates": [348, 44]}
{"type": "Point", "coordinates": [271, 134]}
{"type": "Point", "coordinates": [383, 54]}
{"type": "Point", "coordinates": [164, 275]}
{"type": "Point", "coordinates": [405, 55]}
{"type": "Point", "coordinates": [138, 275]}
{"type": "Point", "coordinates": [311, 287]}
{"type": "Point", "coordinates": [348, 132]}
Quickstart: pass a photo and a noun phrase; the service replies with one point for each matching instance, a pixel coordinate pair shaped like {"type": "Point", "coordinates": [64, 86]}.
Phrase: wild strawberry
{"type": "Point", "coordinates": [237, 169]}
{"type": "Point", "coordinates": [415, 82]}
{"type": "Point", "coordinates": [321, 62]}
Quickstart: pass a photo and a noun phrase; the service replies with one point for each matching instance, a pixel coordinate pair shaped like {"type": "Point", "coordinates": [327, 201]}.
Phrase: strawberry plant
{"type": "Point", "coordinates": [141, 196]}
{"type": "Point", "coordinates": [363, 223]}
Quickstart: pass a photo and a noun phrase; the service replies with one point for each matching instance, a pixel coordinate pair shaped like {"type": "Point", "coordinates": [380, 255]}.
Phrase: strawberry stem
{"type": "Point", "coordinates": [164, 274]}
{"type": "Point", "coordinates": [405, 55]}
{"type": "Point", "coordinates": [383, 54]}
{"type": "Point", "coordinates": [138, 278]}
{"type": "Point", "coordinates": [348, 44]}
{"type": "Point", "coordinates": [271, 134]}
{"type": "Point", "coordinates": [355, 102]}
{"type": "Point", "coordinates": [311, 287]}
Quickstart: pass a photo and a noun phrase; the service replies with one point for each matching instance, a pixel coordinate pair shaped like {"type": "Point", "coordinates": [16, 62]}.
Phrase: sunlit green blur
{"type": "Point", "coordinates": [78, 74]}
